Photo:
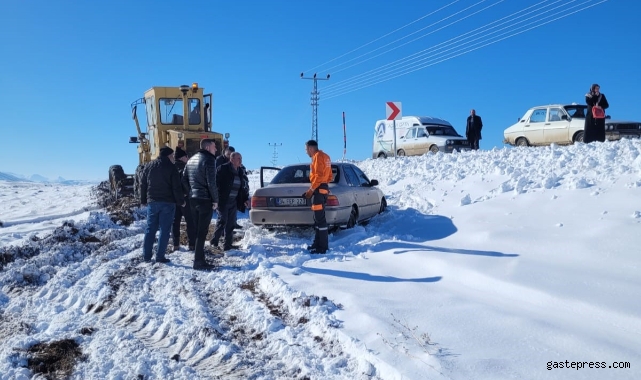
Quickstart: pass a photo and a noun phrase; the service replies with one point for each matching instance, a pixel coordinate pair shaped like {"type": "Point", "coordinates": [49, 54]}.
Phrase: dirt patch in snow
{"type": "Point", "coordinates": [122, 211]}
{"type": "Point", "coordinates": [54, 360]}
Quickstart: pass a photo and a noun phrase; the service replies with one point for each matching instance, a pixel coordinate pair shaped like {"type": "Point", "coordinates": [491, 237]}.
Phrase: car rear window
{"type": "Point", "coordinates": [299, 174]}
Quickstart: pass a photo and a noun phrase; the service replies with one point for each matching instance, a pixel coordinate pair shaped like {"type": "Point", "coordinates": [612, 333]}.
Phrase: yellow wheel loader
{"type": "Point", "coordinates": [176, 116]}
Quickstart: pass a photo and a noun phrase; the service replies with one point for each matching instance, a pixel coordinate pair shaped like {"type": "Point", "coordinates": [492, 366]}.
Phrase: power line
{"type": "Point", "coordinates": [418, 38]}
{"type": "Point", "coordinates": [406, 61]}
{"type": "Point", "coordinates": [445, 57]}
{"type": "Point", "coordinates": [381, 37]}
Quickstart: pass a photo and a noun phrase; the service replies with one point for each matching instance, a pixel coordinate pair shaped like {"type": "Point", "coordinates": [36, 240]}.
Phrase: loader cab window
{"type": "Point", "coordinates": [195, 111]}
{"type": "Point", "coordinates": [171, 111]}
{"type": "Point", "coordinates": [150, 108]}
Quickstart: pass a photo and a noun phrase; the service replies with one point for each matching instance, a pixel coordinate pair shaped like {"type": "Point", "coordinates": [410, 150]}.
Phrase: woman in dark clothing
{"type": "Point", "coordinates": [594, 129]}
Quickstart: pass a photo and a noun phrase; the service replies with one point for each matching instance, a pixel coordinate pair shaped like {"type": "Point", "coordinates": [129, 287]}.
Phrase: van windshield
{"type": "Point", "coordinates": [441, 130]}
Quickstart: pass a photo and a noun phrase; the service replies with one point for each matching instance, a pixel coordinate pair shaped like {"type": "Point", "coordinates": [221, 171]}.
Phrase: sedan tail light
{"type": "Point", "coordinates": [259, 202]}
{"type": "Point", "coordinates": [332, 200]}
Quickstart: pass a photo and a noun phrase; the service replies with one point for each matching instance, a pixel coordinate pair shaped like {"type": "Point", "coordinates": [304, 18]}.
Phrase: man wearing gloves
{"type": "Point", "coordinates": [160, 187]}
{"type": "Point", "coordinates": [320, 176]}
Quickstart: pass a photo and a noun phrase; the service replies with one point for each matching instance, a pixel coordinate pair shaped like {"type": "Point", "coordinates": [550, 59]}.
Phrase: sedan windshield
{"type": "Point", "coordinates": [441, 130]}
{"type": "Point", "coordinates": [298, 174]}
{"type": "Point", "coordinates": [576, 111]}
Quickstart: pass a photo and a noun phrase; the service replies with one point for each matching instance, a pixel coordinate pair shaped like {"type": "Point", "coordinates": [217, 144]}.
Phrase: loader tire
{"type": "Point", "coordinates": [116, 174]}
{"type": "Point", "coordinates": [137, 177]}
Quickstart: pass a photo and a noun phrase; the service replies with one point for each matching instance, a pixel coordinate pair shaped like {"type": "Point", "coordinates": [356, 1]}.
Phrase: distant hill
{"type": "Point", "coordinates": [11, 178]}
{"type": "Point", "coordinates": [38, 178]}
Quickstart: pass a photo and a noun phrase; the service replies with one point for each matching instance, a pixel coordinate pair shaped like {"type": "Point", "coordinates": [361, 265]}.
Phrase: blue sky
{"type": "Point", "coordinates": [70, 70]}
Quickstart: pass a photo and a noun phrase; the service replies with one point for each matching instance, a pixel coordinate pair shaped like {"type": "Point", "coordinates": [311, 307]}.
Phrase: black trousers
{"type": "Point", "coordinates": [202, 211]}
{"type": "Point", "coordinates": [189, 220]}
{"type": "Point", "coordinates": [319, 200]}
{"type": "Point", "coordinates": [594, 129]}
{"type": "Point", "coordinates": [474, 144]}
{"type": "Point", "coordinates": [227, 218]}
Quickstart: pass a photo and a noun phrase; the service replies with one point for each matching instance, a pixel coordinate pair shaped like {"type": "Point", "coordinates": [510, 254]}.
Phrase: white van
{"type": "Point", "coordinates": [416, 135]}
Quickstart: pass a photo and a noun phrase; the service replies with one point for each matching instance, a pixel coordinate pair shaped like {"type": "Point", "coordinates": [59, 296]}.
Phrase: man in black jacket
{"type": "Point", "coordinates": [473, 129]}
{"type": "Point", "coordinates": [199, 181]}
{"type": "Point", "coordinates": [224, 158]}
{"type": "Point", "coordinates": [181, 161]}
{"type": "Point", "coordinates": [232, 198]}
{"type": "Point", "coordinates": [160, 188]}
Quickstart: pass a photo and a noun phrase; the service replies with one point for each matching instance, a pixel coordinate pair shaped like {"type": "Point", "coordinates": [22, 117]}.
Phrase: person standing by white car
{"type": "Point", "coordinates": [320, 176]}
{"type": "Point", "coordinates": [594, 129]}
{"type": "Point", "coordinates": [473, 129]}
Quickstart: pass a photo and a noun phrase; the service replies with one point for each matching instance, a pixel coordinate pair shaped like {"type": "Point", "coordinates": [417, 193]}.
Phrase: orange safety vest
{"type": "Point", "coordinates": [321, 170]}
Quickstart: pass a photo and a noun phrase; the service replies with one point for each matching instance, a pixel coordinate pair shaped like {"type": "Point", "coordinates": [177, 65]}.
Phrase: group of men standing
{"type": "Point", "coordinates": [175, 186]}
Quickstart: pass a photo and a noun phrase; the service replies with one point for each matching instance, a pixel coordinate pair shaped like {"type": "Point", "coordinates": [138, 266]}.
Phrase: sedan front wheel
{"type": "Point", "coordinates": [383, 206]}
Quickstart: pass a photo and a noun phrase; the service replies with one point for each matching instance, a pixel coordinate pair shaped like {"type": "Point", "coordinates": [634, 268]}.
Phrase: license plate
{"type": "Point", "coordinates": [291, 201]}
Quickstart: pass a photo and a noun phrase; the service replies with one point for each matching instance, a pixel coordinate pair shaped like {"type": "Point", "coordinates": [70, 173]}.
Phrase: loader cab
{"type": "Point", "coordinates": [174, 114]}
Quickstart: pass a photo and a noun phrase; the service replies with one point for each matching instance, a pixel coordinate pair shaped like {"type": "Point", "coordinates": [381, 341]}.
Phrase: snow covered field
{"type": "Point", "coordinates": [500, 264]}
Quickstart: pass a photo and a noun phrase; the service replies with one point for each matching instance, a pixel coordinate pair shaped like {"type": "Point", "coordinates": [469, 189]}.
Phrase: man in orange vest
{"type": "Point", "coordinates": [320, 176]}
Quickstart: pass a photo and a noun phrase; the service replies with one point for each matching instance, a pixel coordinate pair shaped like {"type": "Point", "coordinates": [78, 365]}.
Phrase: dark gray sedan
{"type": "Point", "coordinates": [353, 197]}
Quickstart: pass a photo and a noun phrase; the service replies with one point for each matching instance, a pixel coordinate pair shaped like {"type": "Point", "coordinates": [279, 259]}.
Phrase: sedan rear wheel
{"type": "Point", "coordinates": [353, 217]}
{"type": "Point", "coordinates": [401, 152]}
{"type": "Point", "coordinates": [578, 137]}
{"type": "Point", "coordinates": [382, 155]}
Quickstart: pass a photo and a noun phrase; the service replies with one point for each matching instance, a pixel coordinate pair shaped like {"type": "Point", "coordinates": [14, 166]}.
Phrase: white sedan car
{"type": "Point", "coordinates": [562, 124]}
{"type": "Point", "coordinates": [543, 125]}
{"type": "Point", "coordinates": [353, 197]}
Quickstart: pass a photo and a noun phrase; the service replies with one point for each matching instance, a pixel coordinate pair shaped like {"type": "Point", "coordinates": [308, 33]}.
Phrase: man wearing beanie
{"type": "Point", "coordinates": [181, 160]}
{"type": "Point", "coordinates": [160, 191]}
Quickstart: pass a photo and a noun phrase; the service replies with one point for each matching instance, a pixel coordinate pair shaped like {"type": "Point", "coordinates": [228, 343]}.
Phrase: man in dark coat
{"type": "Point", "coordinates": [224, 158]}
{"type": "Point", "coordinates": [199, 181]}
{"type": "Point", "coordinates": [181, 161]}
{"type": "Point", "coordinates": [160, 187]}
{"type": "Point", "coordinates": [233, 197]}
{"type": "Point", "coordinates": [594, 129]}
{"type": "Point", "coordinates": [473, 129]}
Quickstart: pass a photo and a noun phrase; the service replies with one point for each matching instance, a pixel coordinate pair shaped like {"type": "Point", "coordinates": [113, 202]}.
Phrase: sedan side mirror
{"type": "Point", "coordinates": [607, 116]}
{"type": "Point", "coordinates": [564, 117]}
{"type": "Point", "coordinates": [373, 182]}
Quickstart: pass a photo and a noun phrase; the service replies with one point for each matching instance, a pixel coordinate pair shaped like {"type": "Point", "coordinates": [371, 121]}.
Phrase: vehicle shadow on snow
{"type": "Point", "coordinates": [409, 247]}
{"type": "Point", "coordinates": [367, 276]}
{"type": "Point", "coordinates": [411, 229]}
{"type": "Point", "coordinates": [413, 225]}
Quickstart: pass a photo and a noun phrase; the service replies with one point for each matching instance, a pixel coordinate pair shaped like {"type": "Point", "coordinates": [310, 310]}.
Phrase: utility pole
{"type": "Point", "coordinates": [275, 154]}
{"type": "Point", "coordinates": [314, 104]}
